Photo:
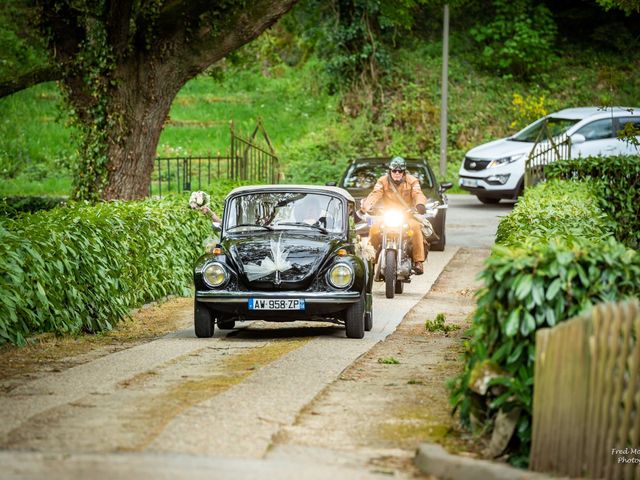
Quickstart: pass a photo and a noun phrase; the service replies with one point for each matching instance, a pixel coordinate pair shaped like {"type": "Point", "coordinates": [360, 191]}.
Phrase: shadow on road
{"type": "Point", "coordinates": [268, 331]}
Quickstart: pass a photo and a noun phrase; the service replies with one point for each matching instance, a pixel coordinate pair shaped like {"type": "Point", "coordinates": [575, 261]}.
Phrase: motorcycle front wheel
{"type": "Point", "coordinates": [390, 268]}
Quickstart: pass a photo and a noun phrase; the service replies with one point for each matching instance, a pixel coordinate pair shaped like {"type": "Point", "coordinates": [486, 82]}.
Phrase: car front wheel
{"type": "Point", "coordinates": [488, 200]}
{"type": "Point", "coordinates": [355, 319]}
{"type": "Point", "coordinates": [202, 321]}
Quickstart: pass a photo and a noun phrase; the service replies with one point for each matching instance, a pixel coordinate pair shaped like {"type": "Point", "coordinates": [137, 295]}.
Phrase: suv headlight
{"type": "Point", "coordinates": [341, 275]}
{"type": "Point", "coordinates": [504, 160]}
{"type": "Point", "coordinates": [214, 274]}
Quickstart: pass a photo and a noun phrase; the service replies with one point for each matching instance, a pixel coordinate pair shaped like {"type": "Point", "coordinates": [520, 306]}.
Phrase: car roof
{"type": "Point", "coordinates": [292, 188]}
{"type": "Point", "coordinates": [581, 113]}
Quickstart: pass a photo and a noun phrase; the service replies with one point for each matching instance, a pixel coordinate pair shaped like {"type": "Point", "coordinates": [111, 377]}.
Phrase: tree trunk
{"type": "Point", "coordinates": [131, 146]}
{"type": "Point", "coordinates": [123, 65]}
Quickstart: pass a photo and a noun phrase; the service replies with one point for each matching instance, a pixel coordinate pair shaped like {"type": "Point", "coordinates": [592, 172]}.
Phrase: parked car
{"type": "Point", "coordinates": [285, 253]}
{"type": "Point", "coordinates": [361, 175]}
{"type": "Point", "coordinates": [495, 170]}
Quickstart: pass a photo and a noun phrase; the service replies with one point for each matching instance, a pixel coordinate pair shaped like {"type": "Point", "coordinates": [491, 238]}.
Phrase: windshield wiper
{"type": "Point", "coordinates": [266, 227]}
{"type": "Point", "coordinates": [303, 224]}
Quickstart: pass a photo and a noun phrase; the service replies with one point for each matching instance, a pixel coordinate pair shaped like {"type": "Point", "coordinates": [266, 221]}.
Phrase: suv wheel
{"type": "Point", "coordinates": [488, 200]}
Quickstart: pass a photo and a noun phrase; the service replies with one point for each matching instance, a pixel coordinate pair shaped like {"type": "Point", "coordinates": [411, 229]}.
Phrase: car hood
{"type": "Point", "coordinates": [279, 260]}
{"type": "Point", "coordinates": [499, 148]}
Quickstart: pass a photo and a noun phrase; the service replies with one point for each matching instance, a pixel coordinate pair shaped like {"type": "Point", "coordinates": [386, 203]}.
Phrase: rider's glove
{"type": "Point", "coordinates": [421, 209]}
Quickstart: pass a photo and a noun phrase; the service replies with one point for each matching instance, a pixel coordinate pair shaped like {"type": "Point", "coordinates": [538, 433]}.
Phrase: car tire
{"type": "Point", "coordinates": [368, 321]}
{"type": "Point", "coordinates": [488, 200]}
{"type": "Point", "coordinates": [390, 273]}
{"type": "Point", "coordinates": [399, 286]}
{"type": "Point", "coordinates": [202, 321]}
{"type": "Point", "coordinates": [439, 245]}
{"type": "Point", "coordinates": [355, 319]}
{"type": "Point", "coordinates": [226, 325]}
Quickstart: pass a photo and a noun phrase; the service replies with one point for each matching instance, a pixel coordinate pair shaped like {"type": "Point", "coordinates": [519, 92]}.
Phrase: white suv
{"type": "Point", "coordinates": [495, 170]}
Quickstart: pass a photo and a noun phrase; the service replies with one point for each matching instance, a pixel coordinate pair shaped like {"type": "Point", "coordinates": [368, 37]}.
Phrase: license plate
{"type": "Point", "coordinates": [469, 182]}
{"type": "Point", "coordinates": [276, 304]}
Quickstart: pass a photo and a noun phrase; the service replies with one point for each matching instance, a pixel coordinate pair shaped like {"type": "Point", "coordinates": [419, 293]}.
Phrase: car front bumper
{"type": "Point", "coordinates": [236, 304]}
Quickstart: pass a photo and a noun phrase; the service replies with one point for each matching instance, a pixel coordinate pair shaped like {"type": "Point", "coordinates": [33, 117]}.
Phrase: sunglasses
{"type": "Point", "coordinates": [397, 170]}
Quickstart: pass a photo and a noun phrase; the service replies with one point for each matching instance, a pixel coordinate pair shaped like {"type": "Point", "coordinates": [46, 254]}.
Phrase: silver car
{"type": "Point", "coordinates": [495, 170]}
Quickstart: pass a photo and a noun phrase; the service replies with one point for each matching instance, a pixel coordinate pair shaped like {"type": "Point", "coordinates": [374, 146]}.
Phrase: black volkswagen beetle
{"type": "Point", "coordinates": [286, 253]}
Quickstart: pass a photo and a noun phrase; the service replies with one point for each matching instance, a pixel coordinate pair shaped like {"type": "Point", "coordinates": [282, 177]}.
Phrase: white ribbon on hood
{"type": "Point", "coordinates": [277, 263]}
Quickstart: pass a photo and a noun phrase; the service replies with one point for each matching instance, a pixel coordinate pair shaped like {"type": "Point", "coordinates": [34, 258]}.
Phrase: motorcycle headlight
{"type": "Point", "coordinates": [341, 275]}
{"type": "Point", "coordinates": [393, 218]}
{"type": "Point", "coordinates": [214, 274]}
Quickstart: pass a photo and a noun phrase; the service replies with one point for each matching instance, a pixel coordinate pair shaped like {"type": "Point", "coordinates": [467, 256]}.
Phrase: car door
{"type": "Point", "coordinates": [628, 147]}
{"type": "Point", "coordinates": [599, 140]}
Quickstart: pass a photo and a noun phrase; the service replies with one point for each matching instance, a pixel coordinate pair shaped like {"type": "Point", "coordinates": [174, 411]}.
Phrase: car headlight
{"type": "Point", "coordinates": [341, 275]}
{"type": "Point", "coordinates": [214, 274]}
{"type": "Point", "coordinates": [504, 160]}
{"type": "Point", "coordinates": [393, 218]}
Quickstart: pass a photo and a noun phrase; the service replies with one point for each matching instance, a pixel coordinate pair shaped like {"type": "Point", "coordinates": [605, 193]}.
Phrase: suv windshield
{"type": "Point", "coordinates": [535, 131]}
{"type": "Point", "coordinates": [285, 210]}
{"type": "Point", "coordinates": [366, 175]}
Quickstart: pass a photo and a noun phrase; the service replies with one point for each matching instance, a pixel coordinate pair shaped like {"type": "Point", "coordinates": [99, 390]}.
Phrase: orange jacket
{"type": "Point", "coordinates": [409, 190]}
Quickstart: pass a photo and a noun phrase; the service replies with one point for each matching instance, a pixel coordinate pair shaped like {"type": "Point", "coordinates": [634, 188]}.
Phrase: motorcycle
{"type": "Point", "coordinates": [394, 265]}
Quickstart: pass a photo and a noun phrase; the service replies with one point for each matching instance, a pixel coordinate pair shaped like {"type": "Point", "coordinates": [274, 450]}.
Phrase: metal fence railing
{"type": "Point", "coordinates": [181, 174]}
{"type": "Point", "coordinates": [247, 160]}
{"type": "Point", "coordinates": [586, 404]}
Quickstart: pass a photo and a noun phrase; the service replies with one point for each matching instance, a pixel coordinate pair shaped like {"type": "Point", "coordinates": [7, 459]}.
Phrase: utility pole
{"type": "Point", "coordinates": [444, 93]}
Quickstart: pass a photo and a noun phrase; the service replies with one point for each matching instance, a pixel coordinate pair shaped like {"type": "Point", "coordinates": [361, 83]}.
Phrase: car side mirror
{"type": "Point", "coordinates": [216, 227]}
{"type": "Point", "coordinates": [445, 186]}
{"type": "Point", "coordinates": [577, 138]}
{"type": "Point", "coordinates": [331, 184]}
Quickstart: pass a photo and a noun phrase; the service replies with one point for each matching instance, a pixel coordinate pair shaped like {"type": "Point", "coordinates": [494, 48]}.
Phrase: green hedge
{"type": "Point", "coordinates": [525, 289]}
{"type": "Point", "coordinates": [82, 268]}
{"type": "Point", "coordinates": [555, 209]}
{"type": "Point", "coordinates": [617, 183]}
{"type": "Point", "coordinates": [555, 258]}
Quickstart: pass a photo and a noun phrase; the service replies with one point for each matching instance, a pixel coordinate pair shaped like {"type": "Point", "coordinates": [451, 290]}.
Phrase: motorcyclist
{"type": "Point", "coordinates": [408, 188]}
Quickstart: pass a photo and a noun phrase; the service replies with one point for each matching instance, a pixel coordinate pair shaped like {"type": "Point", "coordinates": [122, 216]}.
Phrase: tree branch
{"type": "Point", "coordinates": [45, 74]}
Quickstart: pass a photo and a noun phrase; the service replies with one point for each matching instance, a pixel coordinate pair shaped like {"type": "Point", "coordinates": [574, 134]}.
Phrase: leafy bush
{"type": "Point", "coordinates": [81, 267]}
{"type": "Point", "coordinates": [555, 208]}
{"type": "Point", "coordinates": [617, 186]}
{"type": "Point", "coordinates": [519, 40]}
{"type": "Point", "coordinates": [555, 257]}
{"type": "Point", "coordinates": [526, 288]}
{"type": "Point", "coordinates": [527, 109]}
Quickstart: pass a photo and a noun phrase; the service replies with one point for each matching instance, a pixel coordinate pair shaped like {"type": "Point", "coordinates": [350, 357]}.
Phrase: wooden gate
{"type": "Point", "coordinates": [546, 149]}
{"type": "Point", "coordinates": [586, 403]}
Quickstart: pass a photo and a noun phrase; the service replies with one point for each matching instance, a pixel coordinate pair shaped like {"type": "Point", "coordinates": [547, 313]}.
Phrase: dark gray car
{"type": "Point", "coordinates": [361, 175]}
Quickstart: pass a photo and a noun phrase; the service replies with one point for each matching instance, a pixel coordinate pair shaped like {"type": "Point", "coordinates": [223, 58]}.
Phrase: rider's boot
{"type": "Point", "coordinates": [418, 268]}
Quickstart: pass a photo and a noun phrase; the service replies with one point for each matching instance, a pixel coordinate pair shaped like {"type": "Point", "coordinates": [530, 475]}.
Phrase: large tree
{"type": "Point", "coordinates": [121, 63]}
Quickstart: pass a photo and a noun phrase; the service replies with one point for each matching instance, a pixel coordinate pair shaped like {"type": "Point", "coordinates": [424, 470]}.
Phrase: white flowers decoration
{"type": "Point", "coordinates": [277, 263]}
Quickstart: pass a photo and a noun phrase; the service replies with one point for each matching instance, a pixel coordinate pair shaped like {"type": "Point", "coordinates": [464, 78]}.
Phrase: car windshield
{"type": "Point", "coordinates": [264, 211]}
{"type": "Point", "coordinates": [536, 131]}
{"type": "Point", "coordinates": [366, 175]}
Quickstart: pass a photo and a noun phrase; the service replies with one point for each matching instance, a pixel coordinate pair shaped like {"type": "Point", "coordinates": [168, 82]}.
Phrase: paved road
{"type": "Point", "coordinates": [226, 435]}
{"type": "Point", "coordinates": [473, 224]}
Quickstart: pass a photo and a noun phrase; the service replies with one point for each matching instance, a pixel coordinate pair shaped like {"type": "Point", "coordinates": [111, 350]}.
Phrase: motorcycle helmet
{"type": "Point", "coordinates": [398, 163]}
